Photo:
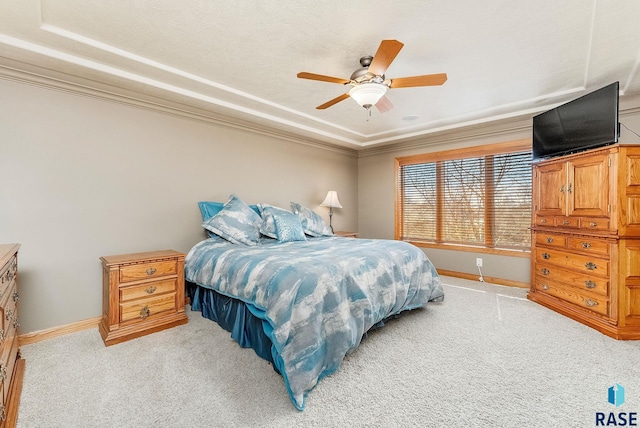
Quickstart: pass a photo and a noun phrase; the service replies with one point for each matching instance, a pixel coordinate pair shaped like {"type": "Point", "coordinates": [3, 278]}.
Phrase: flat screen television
{"type": "Point", "coordinates": [584, 123]}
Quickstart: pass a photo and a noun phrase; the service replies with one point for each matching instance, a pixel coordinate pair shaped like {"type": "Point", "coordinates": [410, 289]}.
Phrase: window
{"type": "Point", "coordinates": [478, 197]}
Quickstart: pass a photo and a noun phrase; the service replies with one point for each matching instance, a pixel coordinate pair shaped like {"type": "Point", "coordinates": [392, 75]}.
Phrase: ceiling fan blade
{"type": "Point", "coordinates": [336, 100]}
{"type": "Point", "coordinates": [384, 105]}
{"type": "Point", "coordinates": [321, 77]}
{"type": "Point", "coordinates": [426, 80]}
{"type": "Point", "coordinates": [387, 52]}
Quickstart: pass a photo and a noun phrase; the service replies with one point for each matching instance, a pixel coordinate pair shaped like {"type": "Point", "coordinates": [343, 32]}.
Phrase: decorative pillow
{"type": "Point", "coordinates": [209, 209]}
{"type": "Point", "coordinates": [268, 213]}
{"type": "Point", "coordinates": [236, 222]}
{"type": "Point", "coordinates": [312, 223]}
{"type": "Point", "coordinates": [288, 227]}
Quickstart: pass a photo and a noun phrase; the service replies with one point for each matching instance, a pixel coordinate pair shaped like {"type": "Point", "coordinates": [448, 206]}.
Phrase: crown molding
{"type": "Point", "coordinates": [160, 106]}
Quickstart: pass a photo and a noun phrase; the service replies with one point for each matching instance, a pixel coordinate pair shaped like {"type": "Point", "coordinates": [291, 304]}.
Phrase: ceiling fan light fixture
{"type": "Point", "coordinates": [368, 94]}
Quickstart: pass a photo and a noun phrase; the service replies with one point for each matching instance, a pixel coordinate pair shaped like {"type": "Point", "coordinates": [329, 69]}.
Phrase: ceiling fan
{"type": "Point", "coordinates": [369, 84]}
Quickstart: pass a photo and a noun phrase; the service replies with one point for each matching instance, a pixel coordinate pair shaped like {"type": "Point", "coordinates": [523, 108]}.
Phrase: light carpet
{"type": "Point", "coordinates": [485, 357]}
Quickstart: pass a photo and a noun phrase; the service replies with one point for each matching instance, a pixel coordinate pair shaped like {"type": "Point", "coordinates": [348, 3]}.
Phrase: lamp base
{"type": "Point", "coordinates": [330, 215]}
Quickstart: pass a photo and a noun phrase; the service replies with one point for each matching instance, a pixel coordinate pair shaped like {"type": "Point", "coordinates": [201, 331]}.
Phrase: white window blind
{"type": "Point", "coordinates": [479, 201]}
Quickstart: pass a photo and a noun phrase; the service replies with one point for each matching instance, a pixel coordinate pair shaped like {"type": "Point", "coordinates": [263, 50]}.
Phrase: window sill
{"type": "Point", "coordinates": [473, 249]}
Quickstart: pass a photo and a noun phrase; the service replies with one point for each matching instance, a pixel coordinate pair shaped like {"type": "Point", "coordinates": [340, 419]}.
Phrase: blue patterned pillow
{"type": "Point", "coordinates": [236, 222]}
{"type": "Point", "coordinates": [288, 227]}
{"type": "Point", "coordinates": [312, 223]}
{"type": "Point", "coordinates": [268, 213]}
{"type": "Point", "coordinates": [208, 209]}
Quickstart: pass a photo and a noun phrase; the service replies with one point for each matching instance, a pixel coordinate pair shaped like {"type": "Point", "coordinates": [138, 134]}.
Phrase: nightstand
{"type": "Point", "coordinates": [141, 293]}
{"type": "Point", "coordinates": [346, 234]}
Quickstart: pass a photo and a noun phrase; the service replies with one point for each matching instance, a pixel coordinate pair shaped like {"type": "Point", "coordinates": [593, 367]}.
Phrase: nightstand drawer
{"type": "Point", "coordinates": [145, 308]}
{"type": "Point", "coordinates": [154, 288]}
{"type": "Point", "coordinates": [147, 270]}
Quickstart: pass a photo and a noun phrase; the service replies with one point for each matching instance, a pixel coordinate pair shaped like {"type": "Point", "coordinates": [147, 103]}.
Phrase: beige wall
{"type": "Point", "coordinates": [84, 177]}
{"type": "Point", "coordinates": [376, 189]}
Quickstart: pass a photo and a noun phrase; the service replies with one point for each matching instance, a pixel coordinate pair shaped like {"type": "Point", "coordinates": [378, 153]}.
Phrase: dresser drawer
{"type": "Point", "coordinates": [596, 304]}
{"type": "Point", "coordinates": [551, 240]}
{"type": "Point", "coordinates": [594, 223]}
{"type": "Point", "coordinates": [573, 222]}
{"type": "Point", "coordinates": [144, 308]}
{"type": "Point", "coordinates": [8, 274]}
{"type": "Point", "coordinates": [9, 322]}
{"type": "Point", "coordinates": [582, 282]}
{"type": "Point", "coordinates": [148, 270]}
{"type": "Point", "coordinates": [154, 288]}
{"type": "Point", "coordinates": [588, 245]}
{"type": "Point", "coordinates": [587, 264]}
{"type": "Point", "coordinates": [545, 220]}
{"type": "Point", "coordinates": [7, 363]}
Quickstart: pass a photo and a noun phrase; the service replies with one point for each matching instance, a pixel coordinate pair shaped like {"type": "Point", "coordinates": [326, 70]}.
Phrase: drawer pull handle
{"type": "Point", "coordinates": [150, 289]}
{"type": "Point", "coordinates": [590, 284]}
{"type": "Point", "coordinates": [586, 245]}
{"type": "Point", "coordinates": [543, 221]}
{"type": "Point", "coordinates": [591, 266]}
{"type": "Point", "coordinates": [590, 303]}
{"type": "Point", "coordinates": [15, 296]}
{"type": "Point", "coordinates": [549, 240]}
{"type": "Point", "coordinates": [151, 271]}
{"type": "Point", "coordinates": [593, 224]}
{"type": "Point", "coordinates": [565, 222]}
{"type": "Point", "coordinates": [570, 188]}
{"type": "Point", "coordinates": [546, 256]}
{"type": "Point", "coordinates": [545, 271]}
{"type": "Point", "coordinates": [144, 312]}
{"type": "Point", "coordinates": [545, 287]}
{"type": "Point", "coordinates": [562, 189]}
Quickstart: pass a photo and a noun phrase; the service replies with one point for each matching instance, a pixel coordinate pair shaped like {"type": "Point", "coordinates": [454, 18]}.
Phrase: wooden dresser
{"type": "Point", "coordinates": [586, 238]}
{"type": "Point", "coordinates": [142, 293]}
{"type": "Point", "coordinates": [11, 365]}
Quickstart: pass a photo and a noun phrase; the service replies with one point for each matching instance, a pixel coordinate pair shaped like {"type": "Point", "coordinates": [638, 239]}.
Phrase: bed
{"type": "Point", "coordinates": [303, 304]}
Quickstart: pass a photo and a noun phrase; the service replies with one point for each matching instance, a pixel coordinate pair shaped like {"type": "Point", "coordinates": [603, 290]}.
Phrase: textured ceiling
{"type": "Point", "coordinates": [237, 61]}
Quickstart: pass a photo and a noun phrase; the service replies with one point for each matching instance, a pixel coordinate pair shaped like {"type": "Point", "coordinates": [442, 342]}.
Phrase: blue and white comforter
{"type": "Point", "coordinates": [320, 296]}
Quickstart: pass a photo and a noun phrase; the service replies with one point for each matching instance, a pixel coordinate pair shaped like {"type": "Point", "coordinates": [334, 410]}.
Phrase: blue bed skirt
{"type": "Point", "coordinates": [234, 316]}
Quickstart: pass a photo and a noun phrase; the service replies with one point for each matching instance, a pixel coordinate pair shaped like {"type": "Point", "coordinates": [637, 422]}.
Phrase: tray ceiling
{"type": "Point", "coordinates": [237, 61]}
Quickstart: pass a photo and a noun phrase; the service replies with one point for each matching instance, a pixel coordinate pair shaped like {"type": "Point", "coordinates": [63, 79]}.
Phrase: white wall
{"type": "Point", "coordinates": [84, 177]}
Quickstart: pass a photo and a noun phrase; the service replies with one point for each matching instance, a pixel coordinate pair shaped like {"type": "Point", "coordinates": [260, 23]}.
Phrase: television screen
{"type": "Point", "coordinates": [586, 122]}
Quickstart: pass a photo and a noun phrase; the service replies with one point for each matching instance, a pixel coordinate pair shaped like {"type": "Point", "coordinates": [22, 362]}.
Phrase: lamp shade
{"type": "Point", "coordinates": [331, 200]}
{"type": "Point", "coordinates": [368, 94]}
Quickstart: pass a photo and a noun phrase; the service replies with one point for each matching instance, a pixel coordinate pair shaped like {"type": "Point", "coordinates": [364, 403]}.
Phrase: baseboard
{"type": "Point", "coordinates": [491, 279]}
{"type": "Point", "coordinates": [37, 336]}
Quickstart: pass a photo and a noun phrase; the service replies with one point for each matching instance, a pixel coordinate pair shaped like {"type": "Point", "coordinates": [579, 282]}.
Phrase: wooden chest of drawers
{"type": "Point", "coordinates": [142, 293]}
{"type": "Point", "coordinates": [11, 365]}
{"type": "Point", "coordinates": [586, 238]}
{"type": "Point", "coordinates": [575, 269]}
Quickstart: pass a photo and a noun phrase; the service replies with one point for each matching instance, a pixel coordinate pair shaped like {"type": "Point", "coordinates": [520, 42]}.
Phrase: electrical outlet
{"type": "Point", "coordinates": [479, 262]}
